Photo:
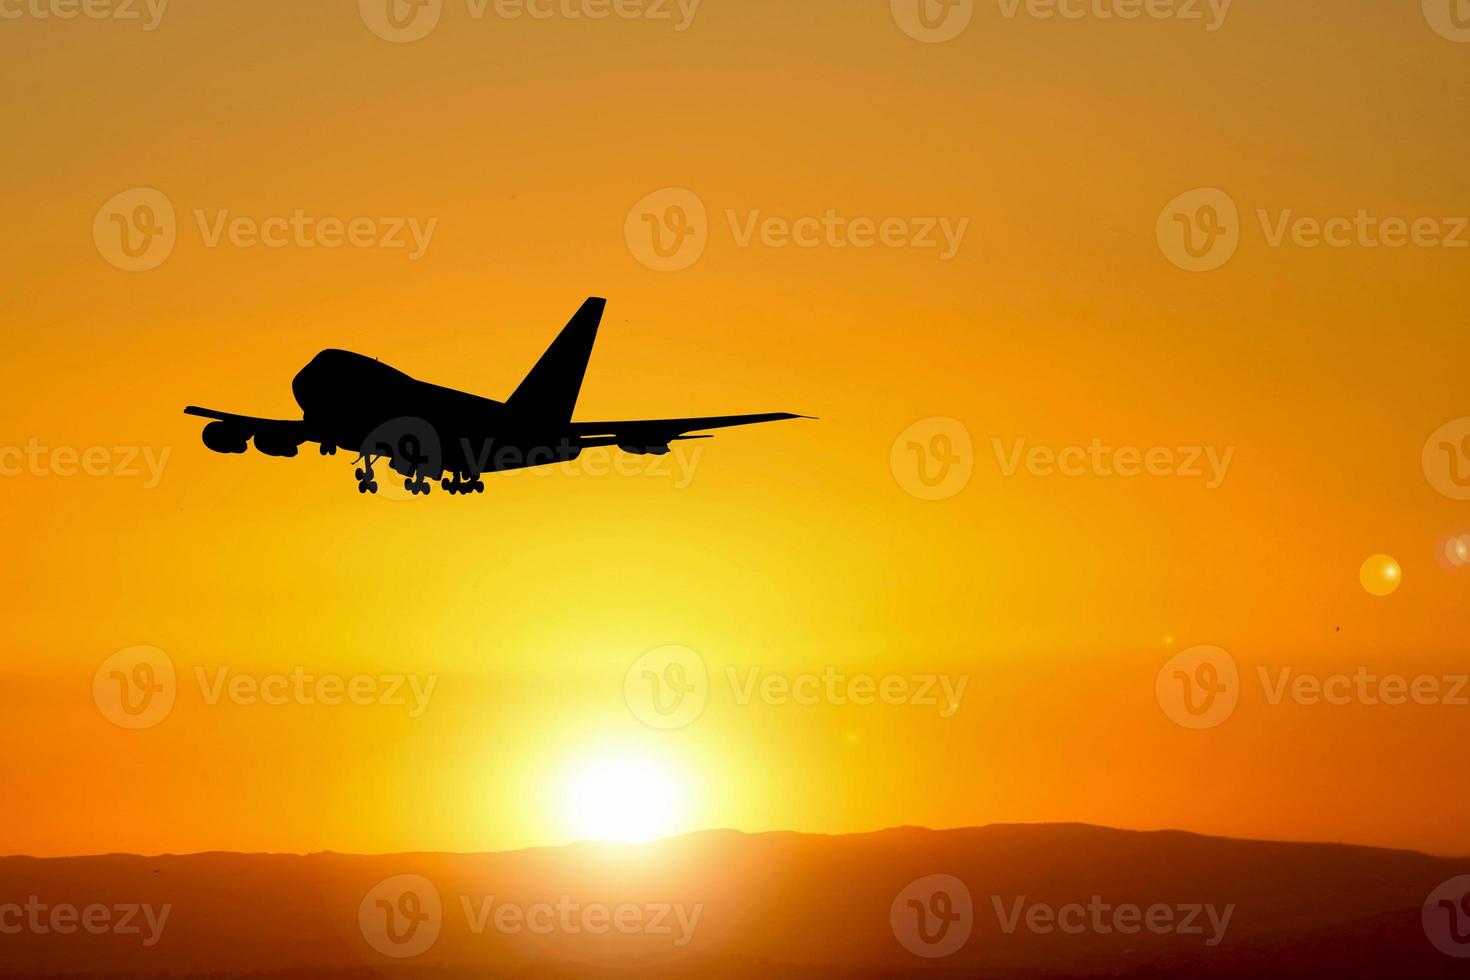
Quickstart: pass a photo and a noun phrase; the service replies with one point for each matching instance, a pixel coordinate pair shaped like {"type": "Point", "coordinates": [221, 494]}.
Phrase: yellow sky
{"type": "Point", "coordinates": [789, 548]}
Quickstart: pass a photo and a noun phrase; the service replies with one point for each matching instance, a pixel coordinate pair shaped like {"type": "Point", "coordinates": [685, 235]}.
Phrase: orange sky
{"type": "Point", "coordinates": [793, 547]}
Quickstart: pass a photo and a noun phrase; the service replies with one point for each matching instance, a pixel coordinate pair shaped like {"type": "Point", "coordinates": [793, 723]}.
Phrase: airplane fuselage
{"type": "Point", "coordinates": [359, 404]}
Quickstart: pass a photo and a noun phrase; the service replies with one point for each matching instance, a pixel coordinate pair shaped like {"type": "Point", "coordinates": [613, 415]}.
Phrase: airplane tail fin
{"type": "Point", "coordinates": [549, 392]}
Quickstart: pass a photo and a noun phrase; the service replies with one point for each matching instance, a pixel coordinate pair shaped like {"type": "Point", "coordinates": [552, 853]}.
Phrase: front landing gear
{"type": "Point", "coordinates": [365, 481]}
{"type": "Point", "coordinates": [416, 485]}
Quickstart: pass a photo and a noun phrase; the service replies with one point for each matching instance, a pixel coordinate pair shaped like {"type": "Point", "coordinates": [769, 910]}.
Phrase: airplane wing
{"type": "Point", "coordinates": [229, 433]}
{"type": "Point", "coordinates": [247, 420]}
{"type": "Point", "coordinates": [646, 436]}
{"type": "Point", "coordinates": [656, 431]}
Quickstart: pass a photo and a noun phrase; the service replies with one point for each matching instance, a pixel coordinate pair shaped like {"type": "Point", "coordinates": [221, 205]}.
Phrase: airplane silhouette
{"type": "Point", "coordinates": [427, 432]}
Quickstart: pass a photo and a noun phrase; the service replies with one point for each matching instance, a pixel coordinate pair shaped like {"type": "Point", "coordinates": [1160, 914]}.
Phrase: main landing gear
{"type": "Point", "coordinates": [415, 483]}
{"type": "Point", "coordinates": [459, 485]}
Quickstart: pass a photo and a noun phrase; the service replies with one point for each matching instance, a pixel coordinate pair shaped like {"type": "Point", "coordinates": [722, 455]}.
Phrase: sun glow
{"type": "Point", "coordinates": [621, 798]}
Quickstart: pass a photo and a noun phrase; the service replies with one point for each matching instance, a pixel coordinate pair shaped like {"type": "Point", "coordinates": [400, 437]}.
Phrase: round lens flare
{"type": "Point", "coordinates": [1457, 551]}
{"type": "Point", "coordinates": [621, 798]}
{"type": "Point", "coordinates": [1381, 575]}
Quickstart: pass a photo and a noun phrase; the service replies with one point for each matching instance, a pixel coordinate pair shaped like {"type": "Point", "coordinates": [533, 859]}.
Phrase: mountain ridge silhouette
{"type": "Point", "coordinates": [793, 904]}
{"type": "Point", "coordinates": [734, 832]}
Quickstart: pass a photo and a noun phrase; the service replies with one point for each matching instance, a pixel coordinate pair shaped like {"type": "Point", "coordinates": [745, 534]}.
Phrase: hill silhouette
{"type": "Point", "coordinates": [727, 904]}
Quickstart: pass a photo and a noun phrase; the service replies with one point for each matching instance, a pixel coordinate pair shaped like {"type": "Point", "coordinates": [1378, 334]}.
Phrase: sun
{"type": "Point", "coordinates": [619, 797]}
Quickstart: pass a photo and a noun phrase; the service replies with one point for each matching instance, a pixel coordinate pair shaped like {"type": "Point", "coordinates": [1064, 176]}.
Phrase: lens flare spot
{"type": "Point", "coordinates": [1381, 575]}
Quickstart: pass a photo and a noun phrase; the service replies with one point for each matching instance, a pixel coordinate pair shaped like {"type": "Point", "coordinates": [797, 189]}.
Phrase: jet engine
{"type": "Point", "coordinates": [222, 437]}
{"type": "Point", "coordinates": [276, 444]}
